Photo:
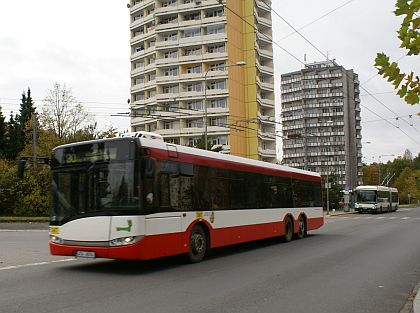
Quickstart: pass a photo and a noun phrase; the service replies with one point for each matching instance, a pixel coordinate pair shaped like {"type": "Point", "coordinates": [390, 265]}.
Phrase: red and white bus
{"type": "Point", "coordinates": [136, 198]}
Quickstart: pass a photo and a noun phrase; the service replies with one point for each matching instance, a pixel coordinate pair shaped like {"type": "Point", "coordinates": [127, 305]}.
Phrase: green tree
{"type": "Point", "coordinates": [371, 174]}
{"type": "Point", "coordinates": [407, 85]}
{"type": "Point", "coordinates": [408, 184]}
{"type": "Point", "coordinates": [201, 144]}
{"type": "Point", "coordinates": [2, 134]}
{"type": "Point", "coordinates": [13, 136]}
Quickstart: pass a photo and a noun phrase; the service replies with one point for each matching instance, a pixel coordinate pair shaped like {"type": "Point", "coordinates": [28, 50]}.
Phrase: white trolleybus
{"type": "Point", "coordinates": [137, 198]}
{"type": "Point", "coordinates": [376, 199]}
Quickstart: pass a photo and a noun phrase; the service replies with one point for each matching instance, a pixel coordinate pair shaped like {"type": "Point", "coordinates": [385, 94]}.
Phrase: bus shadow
{"type": "Point", "coordinates": [124, 267]}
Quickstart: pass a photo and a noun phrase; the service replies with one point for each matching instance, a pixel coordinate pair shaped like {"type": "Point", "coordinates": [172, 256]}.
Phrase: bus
{"type": "Point", "coordinates": [135, 198]}
{"type": "Point", "coordinates": [376, 199]}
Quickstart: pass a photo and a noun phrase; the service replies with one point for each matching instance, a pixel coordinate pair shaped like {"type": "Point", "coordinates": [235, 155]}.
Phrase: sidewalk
{"type": "Point", "coordinates": [339, 212]}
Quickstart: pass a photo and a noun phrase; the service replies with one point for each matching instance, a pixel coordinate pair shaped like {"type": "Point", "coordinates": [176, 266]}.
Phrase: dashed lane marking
{"type": "Point", "coordinates": [23, 230]}
{"type": "Point", "coordinates": [34, 264]}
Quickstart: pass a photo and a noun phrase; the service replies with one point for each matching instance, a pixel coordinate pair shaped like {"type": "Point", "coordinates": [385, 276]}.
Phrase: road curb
{"type": "Point", "coordinates": [412, 304]}
{"type": "Point", "coordinates": [416, 301]}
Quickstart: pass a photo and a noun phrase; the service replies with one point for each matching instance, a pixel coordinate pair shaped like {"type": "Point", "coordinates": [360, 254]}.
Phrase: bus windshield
{"type": "Point", "coordinates": [366, 196]}
{"type": "Point", "coordinates": [84, 187]}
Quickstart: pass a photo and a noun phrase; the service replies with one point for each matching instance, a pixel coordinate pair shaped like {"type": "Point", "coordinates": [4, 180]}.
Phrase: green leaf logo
{"type": "Point", "coordinates": [128, 228]}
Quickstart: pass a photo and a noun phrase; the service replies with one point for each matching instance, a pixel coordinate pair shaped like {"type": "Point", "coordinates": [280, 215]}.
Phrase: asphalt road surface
{"type": "Point", "coordinates": [355, 263]}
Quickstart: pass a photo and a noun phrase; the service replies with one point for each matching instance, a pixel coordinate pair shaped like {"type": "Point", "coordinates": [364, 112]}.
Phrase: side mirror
{"type": "Point", "coordinates": [21, 169]}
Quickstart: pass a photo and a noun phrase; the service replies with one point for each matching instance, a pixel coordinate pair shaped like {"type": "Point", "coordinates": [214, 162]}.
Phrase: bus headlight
{"type": "Point", "coordinates": [124, 241]}
{"type": "Point", "coordinates": [56, 239]}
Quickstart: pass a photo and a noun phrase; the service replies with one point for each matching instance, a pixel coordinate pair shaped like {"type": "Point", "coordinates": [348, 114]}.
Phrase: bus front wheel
{"type": "Point", "coordinates": [197, 244]}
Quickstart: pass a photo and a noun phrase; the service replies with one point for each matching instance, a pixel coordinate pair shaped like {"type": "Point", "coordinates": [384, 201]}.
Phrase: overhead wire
{"type": "Point", "coordinates": [368, 92]}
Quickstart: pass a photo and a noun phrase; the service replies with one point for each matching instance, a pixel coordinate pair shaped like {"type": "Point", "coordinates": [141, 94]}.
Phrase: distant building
{"type": "Point", "coordinates": [321, 121]}
{"type": "Point", "coordinates": [194, 61]}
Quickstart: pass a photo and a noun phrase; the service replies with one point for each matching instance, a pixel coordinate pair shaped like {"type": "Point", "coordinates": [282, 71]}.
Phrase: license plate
{"type": "Point", "coordinates": [85, 254]}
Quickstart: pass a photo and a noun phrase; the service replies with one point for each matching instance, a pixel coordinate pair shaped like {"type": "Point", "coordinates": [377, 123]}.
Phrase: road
{"type": "Point", "coordinates": [355, 263]}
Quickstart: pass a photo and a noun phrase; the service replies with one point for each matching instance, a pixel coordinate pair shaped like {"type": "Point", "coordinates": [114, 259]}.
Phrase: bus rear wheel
{"type": "Point", "coordinates": [288, 230]}
{"type": "Point", "coordinates": [302, 231]}
{"type": "Point", "coordinates": [197, 244]}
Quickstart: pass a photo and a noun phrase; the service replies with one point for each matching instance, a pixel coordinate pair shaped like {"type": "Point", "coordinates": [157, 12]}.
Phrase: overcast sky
{"type": "Point", "coordinates": [85, 44]}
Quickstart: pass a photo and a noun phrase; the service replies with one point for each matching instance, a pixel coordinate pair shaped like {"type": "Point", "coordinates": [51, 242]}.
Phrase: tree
{"type": "Point", "coordinates": [410, 40]}
{"type": "Point", "coordinates": [371, 174]}
{"type": "Point", "coordinates": [210, 146]}
{"type": "Point", "coordinates": [408, 184]}
{"type": "Point", "coordinates": [26, 111]}
{"type": "Point", "coordinates": [2, 134]}
{"type": "Point", "coordinates": [64, 114]}
{"type": "Point", "coordinates": [12, 137]}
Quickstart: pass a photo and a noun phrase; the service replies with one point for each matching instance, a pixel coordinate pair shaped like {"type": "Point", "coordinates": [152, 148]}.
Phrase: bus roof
{"type": "Point", "coordinates": [380, 188]}
{"type": "Point", "coordinates": [196, 154]}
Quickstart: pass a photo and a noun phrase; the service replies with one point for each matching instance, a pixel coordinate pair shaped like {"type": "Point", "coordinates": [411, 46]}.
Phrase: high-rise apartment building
{"type": "Point", "coordinates": [204, 66]}
{"type": "Point", "coordinates": [321, 122]}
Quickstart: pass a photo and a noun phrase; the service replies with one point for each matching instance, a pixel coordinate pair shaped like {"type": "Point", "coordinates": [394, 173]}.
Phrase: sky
{"type": "Point", "coordinates": [85, 45]}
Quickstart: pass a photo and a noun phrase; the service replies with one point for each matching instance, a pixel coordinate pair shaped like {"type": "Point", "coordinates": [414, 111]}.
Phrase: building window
{"type": "Point", "coordinates": [192, 17]}
{"type": "Point", "coordinates": [218, 67]}
{"type": "Point", "coordinates": [194, 69]}
{"type": "Point", "coordinates": [171, 37]}
{"type": "Point", "coordinates": [193, 141]}
{"type": "Point", "coordinates": [194, 105]}
{"type": "Point", "coordinates": [194, 87]}
{"type": "Point", "coordinates": [215, 29]}
{"type": "Point", "coordinates": [152, 93]}
{"type": "Point", "coordinates": [171, 54]}
{"type": "Point", "coordinates": [218, 103]}
{"type": "Point", "coordinates": [222, 140]}
{"type": "Point", "coordinates": [139, 48]}
{"type": "Point", "coordinates": [168, 3]}
{"type": "Point", "coordinates": [151, 76]}
{"type": "Point", "coordinates": [220, 84]}
{"type": "Point", "coordinates": [171, 89]}
{"type": "Point", "coordinates": [193, 32]}
{"type": "Point", "coordinates": [192, 51]}
{"type": "Point", "coordinates": [168, 125]}
{"type": "Point", "coordinates": [175, 141]}
{"type": "Point", "coordinates": [197, 123]}
{"type": "Point", "coordinates": [139, 80]}
{"type": "Point", "coordinates": [172, 71]}
{"type": "Point", "coordinates": [139, 96]}
{"type": "Point", "coordinates": [214, 13]}
{"type": "Point", "coordinates": [216, 48]}
{"type": "Point", "coordinates": [219, 121]}
{"type": "Point", "coordinates": [168, 20]}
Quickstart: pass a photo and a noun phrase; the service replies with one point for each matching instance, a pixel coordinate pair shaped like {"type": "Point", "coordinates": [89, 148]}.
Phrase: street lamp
{"type": "Point", "coordinates": [239, 63]}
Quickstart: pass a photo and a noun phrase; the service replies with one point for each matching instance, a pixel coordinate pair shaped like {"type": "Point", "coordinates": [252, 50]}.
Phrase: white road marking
{"type": "Point", "coordinates": [380, 217]}
{"type": "Point", "coordinates": [34, 264]}
{"type": "Point", "coordinates": [405, 218]}
{"type": "Point", "coordinates": [23, 230]}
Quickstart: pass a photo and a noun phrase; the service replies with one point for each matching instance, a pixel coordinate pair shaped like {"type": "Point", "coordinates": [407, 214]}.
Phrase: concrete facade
{"type": "Point", "coordinates": [198, 64]}
{"type": "Point", "coordinates": [321, 122]}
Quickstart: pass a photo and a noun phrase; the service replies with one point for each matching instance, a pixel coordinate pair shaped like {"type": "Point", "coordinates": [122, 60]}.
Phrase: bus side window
{"type": "Point", "coordinates": [164, 190]}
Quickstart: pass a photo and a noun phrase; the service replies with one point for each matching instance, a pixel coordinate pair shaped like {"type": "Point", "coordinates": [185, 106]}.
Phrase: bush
{"type": "Point", "coordinates": [26, 197]}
